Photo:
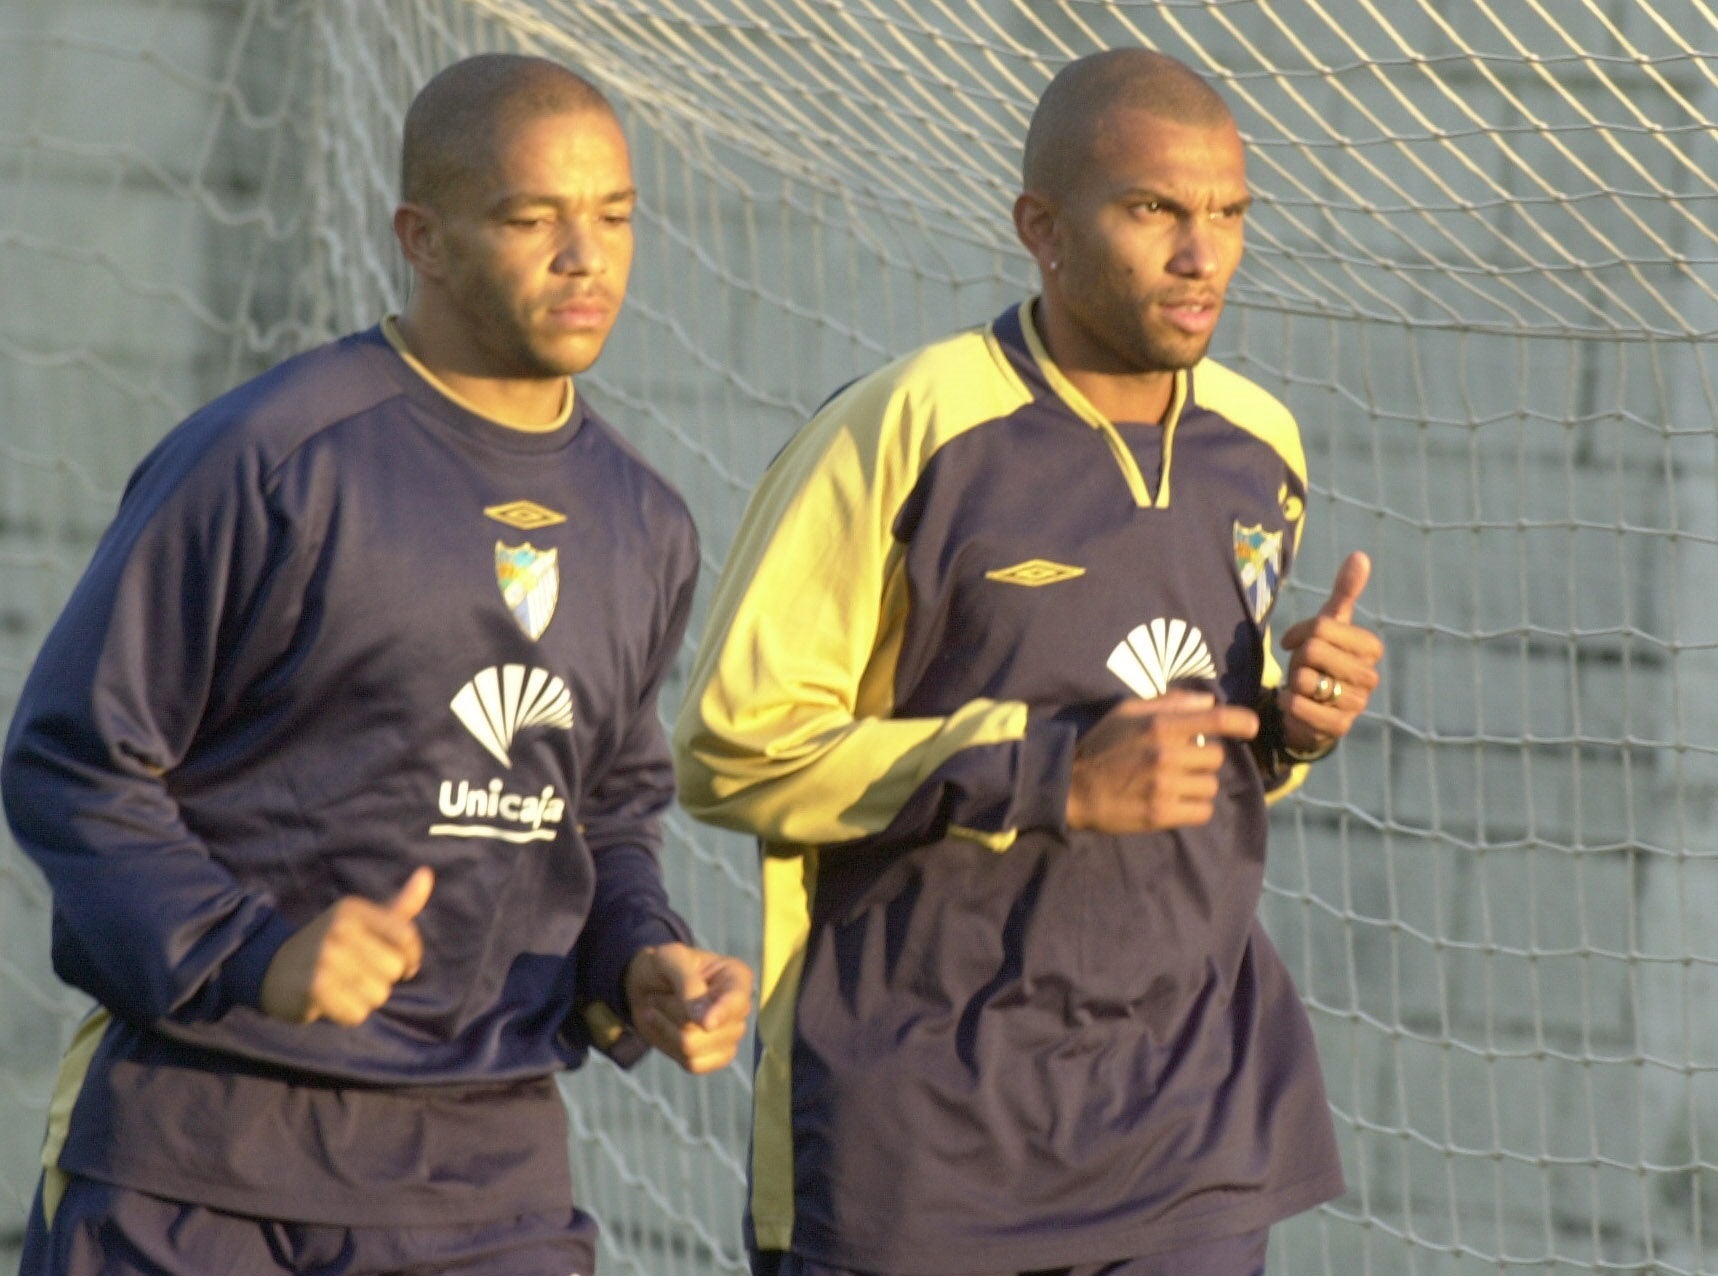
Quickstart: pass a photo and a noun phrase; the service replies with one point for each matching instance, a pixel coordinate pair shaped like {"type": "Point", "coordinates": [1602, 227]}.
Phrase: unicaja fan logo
{"type": "Point", "coordinates": [495, 706]}
{"type": "Point", "coordinates": [1154, 657]}
{"type": "Point", "coordinates": [503, 700]}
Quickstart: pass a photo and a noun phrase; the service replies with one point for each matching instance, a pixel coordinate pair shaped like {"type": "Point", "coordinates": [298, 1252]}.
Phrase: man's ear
{"type": "Point", "coordinates": [419, 231]}
{"type": "Point", "coordinates": [1035, 224]}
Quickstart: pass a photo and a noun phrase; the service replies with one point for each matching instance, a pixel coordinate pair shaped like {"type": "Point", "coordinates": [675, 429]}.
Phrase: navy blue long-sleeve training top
{"type": "Point", "coordinates": [988, 1042]}
{"type": "Point", "coordinates": [342, 627]}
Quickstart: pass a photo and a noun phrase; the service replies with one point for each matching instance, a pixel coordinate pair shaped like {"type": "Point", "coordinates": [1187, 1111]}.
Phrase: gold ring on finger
{"type": "Point", "coordinates": [1199, 740]}
{"type": "Point", "coordinates": [1326, 690]}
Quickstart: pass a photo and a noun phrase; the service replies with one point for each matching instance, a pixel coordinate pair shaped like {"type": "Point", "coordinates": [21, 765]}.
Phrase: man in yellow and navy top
{"type": "Point", "coordinates": [989, 673]}
{"type": "Point", "coordinates": [343, 762]}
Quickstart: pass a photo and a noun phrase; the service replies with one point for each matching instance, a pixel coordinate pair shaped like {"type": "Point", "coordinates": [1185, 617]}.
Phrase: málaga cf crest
{"type": "Point", "coordinates": [1259, 560]}
{"type": "Point", "coordinates": [530, 580]}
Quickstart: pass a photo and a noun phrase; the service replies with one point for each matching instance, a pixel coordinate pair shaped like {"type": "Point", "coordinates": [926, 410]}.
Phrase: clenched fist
{"type": "Point", "coordinates": [346, 961]}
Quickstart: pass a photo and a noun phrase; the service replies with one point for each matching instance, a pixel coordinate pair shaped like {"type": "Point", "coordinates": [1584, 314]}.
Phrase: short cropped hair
{"type": "Point", "coordinates": [1074, 104]}
{"type": "Point", "coordinates": [454, 122]}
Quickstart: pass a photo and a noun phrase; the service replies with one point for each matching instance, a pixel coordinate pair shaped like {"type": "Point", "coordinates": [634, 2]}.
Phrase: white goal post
{"type": "Point", "coordinates": [1482, 270]}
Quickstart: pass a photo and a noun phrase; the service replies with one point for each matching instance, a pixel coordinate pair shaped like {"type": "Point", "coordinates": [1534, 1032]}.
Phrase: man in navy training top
{"type": "Point", "coordinates": [344, 767]}
{"type": "Point", "coordinates": [990, 674]}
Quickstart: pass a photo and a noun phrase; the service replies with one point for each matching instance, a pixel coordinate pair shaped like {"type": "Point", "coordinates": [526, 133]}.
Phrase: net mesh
{"type": "Point", "coordinates": [1481, 270]}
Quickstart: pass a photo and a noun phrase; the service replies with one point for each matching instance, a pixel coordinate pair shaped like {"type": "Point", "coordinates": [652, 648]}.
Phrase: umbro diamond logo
{"type": "Point", "coordinates": [525, 515]}
{"type": "Point", "coordinates": [1035, 572]}
{"type": "Point", "coordinates": [1154, 657]}
{"type": "Point", "coordinates": [503, 700]}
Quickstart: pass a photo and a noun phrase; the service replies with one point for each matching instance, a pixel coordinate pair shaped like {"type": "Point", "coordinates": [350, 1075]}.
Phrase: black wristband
{"type": "Point", "coordinates": [1273, 742]}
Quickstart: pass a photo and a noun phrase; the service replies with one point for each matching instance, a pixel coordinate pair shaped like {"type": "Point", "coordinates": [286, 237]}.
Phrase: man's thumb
{"type": "Point", "coordinates": [687, 975]}
{"type": "Point", "coordinates": [413, 895]}
{"type": "Point", "coordinates": [1351, 580]}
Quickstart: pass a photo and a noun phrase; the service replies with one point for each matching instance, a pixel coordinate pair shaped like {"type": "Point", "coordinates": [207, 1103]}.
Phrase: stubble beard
{"type": "Point", "coordinates": [1171, 350]}
{"type": "Point", "coordinates": [1137, 345]}
{"type": "Point", "coordinates": [536, 357]}
{"type": "Point", "coordinates": [1150, 354]}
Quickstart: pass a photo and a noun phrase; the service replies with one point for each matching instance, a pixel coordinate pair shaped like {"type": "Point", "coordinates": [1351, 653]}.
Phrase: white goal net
{"type": "Point", "coordinates": [1482, 270]}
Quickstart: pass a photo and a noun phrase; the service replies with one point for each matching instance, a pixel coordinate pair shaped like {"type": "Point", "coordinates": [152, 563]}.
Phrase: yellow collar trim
{"type": "Point", "coordinates": [1070, 394]}
{"type": "Point", "coordinates": [391, 330]}
{"type": "Point", "coordinates": [1068, 391]}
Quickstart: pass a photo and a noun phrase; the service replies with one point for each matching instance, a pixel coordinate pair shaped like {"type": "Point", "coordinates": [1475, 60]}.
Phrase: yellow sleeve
{"type": "Point", "coordinates": [786, 729]}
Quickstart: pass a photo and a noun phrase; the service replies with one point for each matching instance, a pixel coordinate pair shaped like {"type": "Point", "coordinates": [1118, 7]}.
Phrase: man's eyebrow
{"type": "Point", "coordinates": [535, 199]}
{"type": "Point", "coordinates": [513, 203]}
{"type": "Point", "coordinates": [1240, 202]}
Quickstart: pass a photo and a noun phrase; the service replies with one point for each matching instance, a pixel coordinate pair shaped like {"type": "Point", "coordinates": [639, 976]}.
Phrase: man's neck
{"type": "Point", "coordinates": [532, 405]}
{"type": "Point", "coordinates": [1141, 398]}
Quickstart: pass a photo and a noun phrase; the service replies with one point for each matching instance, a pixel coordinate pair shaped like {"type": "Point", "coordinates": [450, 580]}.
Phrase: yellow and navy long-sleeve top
{"type": "Point", "coordinates": [987, 1042]}
{"type": "Point", "coordinates": [340, 627]}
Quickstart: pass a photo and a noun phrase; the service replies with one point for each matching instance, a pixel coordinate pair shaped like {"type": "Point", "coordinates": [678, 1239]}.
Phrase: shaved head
{"type": "Point", "coordinates": [454, 125]}
{"type": "Point", "coordinates": [1075, 106]}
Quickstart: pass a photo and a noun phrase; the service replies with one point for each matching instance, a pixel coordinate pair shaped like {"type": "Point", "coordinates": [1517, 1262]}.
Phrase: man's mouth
{"type": "Point", "coordinates": [1195, 316]}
